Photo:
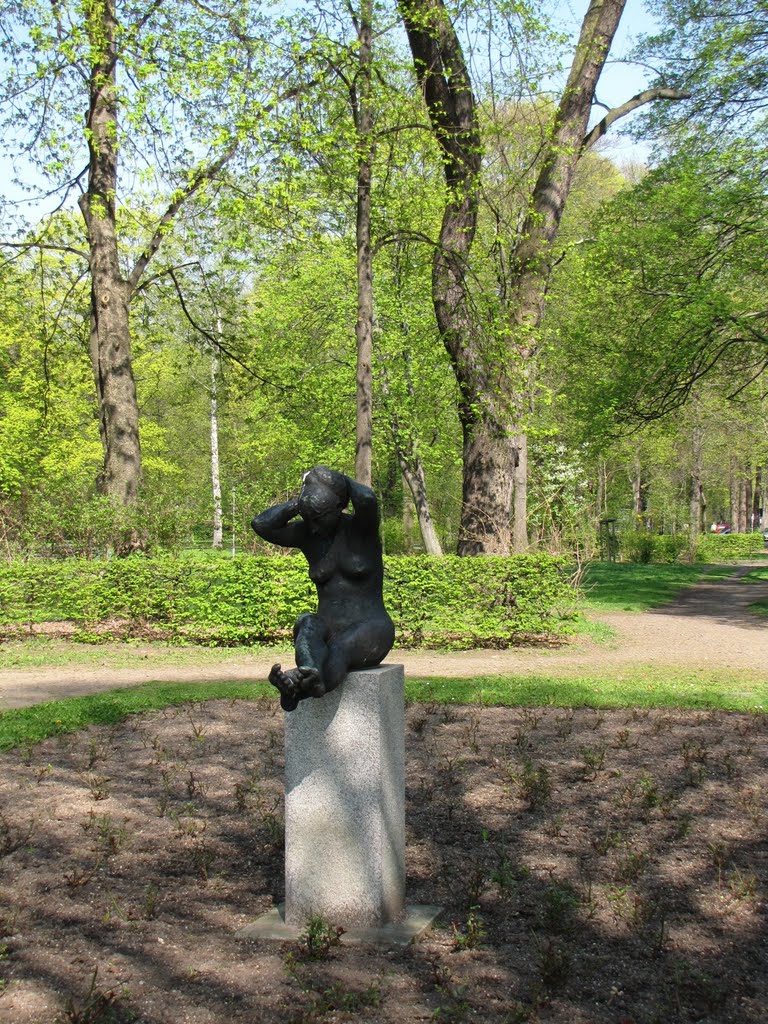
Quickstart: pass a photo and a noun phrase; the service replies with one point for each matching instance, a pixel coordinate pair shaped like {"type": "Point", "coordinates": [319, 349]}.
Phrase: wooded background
{"type": "Point", "coordinates": [390, 238]}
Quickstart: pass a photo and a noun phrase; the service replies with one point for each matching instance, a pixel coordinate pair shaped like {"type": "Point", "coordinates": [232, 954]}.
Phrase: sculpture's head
{"type": "Point", "coordinates": [323, 497]}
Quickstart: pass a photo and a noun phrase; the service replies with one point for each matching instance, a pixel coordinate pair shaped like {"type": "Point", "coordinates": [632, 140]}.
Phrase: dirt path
{"type": "Point", "coordinates": [708, 626]}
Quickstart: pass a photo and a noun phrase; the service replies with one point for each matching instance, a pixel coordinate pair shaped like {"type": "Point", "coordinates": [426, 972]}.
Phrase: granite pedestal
{"type": "Point", "coordinates": [345, 803]}
{"type": "Point", "coordinates": [345, 816]}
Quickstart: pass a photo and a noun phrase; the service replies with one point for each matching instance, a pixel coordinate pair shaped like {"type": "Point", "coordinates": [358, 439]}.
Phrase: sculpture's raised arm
{"type": "Point", "coordinates": [276, 526]}
{"type": "Point", "coordinates": [350, 628]}
{"type": "Point", "coordinates": [364, 503]}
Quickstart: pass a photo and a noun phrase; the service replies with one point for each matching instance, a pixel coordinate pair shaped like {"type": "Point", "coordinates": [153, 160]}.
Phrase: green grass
{"type": "Point", "coordinates": [634, 587]}
{"type": "Point", "coordinates": [41, 651]}
{"type": "Point", "coordinates": [756, 576]}
{"type": "Point", "coordinates": [598, 632]}
{"type": "Point", "coordinates": [642, 687]}
{"type": "Point", "coordinates": [647, 687]}
{"type": "Point", "coordinates": [57, 717]}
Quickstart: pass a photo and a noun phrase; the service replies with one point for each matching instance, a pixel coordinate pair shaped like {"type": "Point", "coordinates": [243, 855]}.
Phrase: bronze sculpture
{"type": "Point", "coordinates": [351, 628]}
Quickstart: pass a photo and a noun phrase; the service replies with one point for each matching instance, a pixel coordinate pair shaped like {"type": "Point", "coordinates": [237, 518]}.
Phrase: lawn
{"type": "Point", "coordinates": [635, 587]}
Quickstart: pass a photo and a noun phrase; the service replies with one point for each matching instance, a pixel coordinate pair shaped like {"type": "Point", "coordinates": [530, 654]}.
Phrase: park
{"type": "Point", "coordinates": [383, 512]}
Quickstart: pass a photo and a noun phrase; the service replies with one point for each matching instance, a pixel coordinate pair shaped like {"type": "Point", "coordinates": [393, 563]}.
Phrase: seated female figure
{"type": "Point", "coordinates": [351, 628]}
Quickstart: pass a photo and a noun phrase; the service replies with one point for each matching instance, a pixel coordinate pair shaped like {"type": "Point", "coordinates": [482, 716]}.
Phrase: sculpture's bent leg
{"type": "Point", "coordinates": [358, 647]}
{"type": "Point", "coordinates": [310, 637]}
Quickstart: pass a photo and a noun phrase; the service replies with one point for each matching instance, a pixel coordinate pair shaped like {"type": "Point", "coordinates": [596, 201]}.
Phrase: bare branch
{"type": "Point", "coordinates": [202, 175]}
{"type": "Point", "coordinates": [215, 339]}
{"type": "Point", "coordinates": [24, 247]}
{"type": "Point", "coordinates": [639, 100]}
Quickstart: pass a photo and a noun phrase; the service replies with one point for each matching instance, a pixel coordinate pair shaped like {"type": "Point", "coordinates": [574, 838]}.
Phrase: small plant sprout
{"type": "Point", "coordinates": [98, 1006]}
{"type": "Point", "coordinates": [534, 784]}
{"type": "Point", "coordinates": [593, 759]}
{"type": "Point", "coordinates": [12, 837]}
{"type": "Point", "coordinates": [98, 786]}
{"type": "Point", "coordinates": [753, 802]}
{"type": "Point", "coordinates": [319, 938]}
{"type": "Point", "coordinates": [720, 853]}
{"type": "Point", "coordinates": [554, 962]}
{"type": "Point", "coordinates": [559, 904]}
{"type": "Point", "coordinates": [743, 886]}
{"type": "Point", "coordinates": [564, 724]}
{"type": "Point", "coordinates": [470, 934]}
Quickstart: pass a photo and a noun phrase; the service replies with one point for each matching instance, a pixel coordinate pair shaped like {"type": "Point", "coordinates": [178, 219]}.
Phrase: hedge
{"type": "Point", "coordinates": [450, 601]}
{"type": "Point", "coordinates": [647, 547]}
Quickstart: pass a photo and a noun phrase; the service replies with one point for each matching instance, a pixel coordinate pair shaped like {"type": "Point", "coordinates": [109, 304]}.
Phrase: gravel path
{"type": "Point", "coordinates": [708, 626]}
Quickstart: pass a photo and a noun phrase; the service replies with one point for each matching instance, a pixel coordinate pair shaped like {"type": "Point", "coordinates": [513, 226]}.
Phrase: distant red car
{"type": "Point", "coordinates": [720, 528]}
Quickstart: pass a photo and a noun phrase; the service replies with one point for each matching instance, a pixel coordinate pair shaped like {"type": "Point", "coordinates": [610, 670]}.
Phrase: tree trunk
{"type": "Point", "coordinates": [362, 107]}
{"type": "Point", "coordinates": [520, 542]}
{"type": "Point", "coordinates": [639, 493]}
{"type": "Point", "coordinates": [492, 403]}
{"type": "Point", "coordinates": [698, 502]}
{"type": "Point", "coordinates": [489, 451]}
{"type": "Point", "coordinates": [757, 497]}
{"type": "Point", "coordinates": [735, 481]}
{"type": "Point", "coordinates": [413, 474]}
{"type": "Point", "coordinates": [408, 520]}
{"type": "Point", "coordinates": [412, 471]}
{"type": "Point", "coordinates": [110, 339]}
{"type": "Point", "coordinates": [218, 526]}
{"type": "Point", "coordinates": [489, 458]}
{"type": "Point", "coordinates": [531, 258]}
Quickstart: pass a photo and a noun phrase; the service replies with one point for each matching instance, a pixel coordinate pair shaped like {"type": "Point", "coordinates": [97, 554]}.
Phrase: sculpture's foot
{"type": "Point", "coordinates": [288, 685]}
{"type": "Point", "coordinates": [295, 685]}
{"type": "Point", "coordinates": [288, 703]}
{"type": "Point", "coordinates": [311, 683]}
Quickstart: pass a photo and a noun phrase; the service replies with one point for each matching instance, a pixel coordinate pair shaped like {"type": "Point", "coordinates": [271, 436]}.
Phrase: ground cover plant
{"type": "Point", "coordinates": [594, 865]}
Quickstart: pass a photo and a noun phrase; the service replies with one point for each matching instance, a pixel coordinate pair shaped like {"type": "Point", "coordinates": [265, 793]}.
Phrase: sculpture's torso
{"type": "Point", "coordinates": [347, 570]}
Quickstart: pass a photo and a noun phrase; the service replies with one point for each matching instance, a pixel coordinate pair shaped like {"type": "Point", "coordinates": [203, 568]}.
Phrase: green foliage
{"type": "Point", "coordinates": [455, 602]}
{"type": "Point", "coordinates": [725, 547]}
{"type": "Point", "coordinates": [477, 602]}
{"type": "Point", "coordinates": [645, 547]}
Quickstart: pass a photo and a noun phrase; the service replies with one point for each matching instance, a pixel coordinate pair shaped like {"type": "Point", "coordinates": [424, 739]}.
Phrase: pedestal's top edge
{"type": "Point", "coordinates": [387, 666]}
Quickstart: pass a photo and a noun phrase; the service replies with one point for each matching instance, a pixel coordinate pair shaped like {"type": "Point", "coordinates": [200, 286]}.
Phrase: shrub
{"type": "Point", "coordinates": [644, 547]}
{"type": "Point", "coordinates": [726, 547]}
{"type": "Point", "coordinates": [451, 601]}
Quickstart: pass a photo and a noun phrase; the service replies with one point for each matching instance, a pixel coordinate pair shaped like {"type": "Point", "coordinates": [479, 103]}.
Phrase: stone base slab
{"type": "Point", "coordinates": [416, 922]}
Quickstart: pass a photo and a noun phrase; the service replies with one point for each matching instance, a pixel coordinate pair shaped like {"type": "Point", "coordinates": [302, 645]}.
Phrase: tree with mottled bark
{"type": "Point", "coordinates": [172, 93]}
{"type": "Point", "coordinates": [493, 372]}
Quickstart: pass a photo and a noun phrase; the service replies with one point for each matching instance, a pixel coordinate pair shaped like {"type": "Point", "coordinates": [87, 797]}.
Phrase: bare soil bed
{"type": "Point", "coordinates": [594, 868]}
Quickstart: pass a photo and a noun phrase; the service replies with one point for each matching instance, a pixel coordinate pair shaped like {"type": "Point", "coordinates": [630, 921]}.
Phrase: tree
{"type": "Point", "coordinates": [172, 92]}
{"type": "Point", "coordinates": [718, 51]}
{"type": "Point", "coordinates": [493, 367]}
{"type": "Point", "coordinates": [672, 289]}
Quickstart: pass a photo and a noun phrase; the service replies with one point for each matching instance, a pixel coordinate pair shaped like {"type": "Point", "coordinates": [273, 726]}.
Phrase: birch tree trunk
{"type": "Point", "coordinates": [698, 501]}
{"type": "Point", "coordinates": [520, 541]}
{"type": "Point", "coordinates": [413, 474]}
{"type": "Point", "coordinates": [218, 519]}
